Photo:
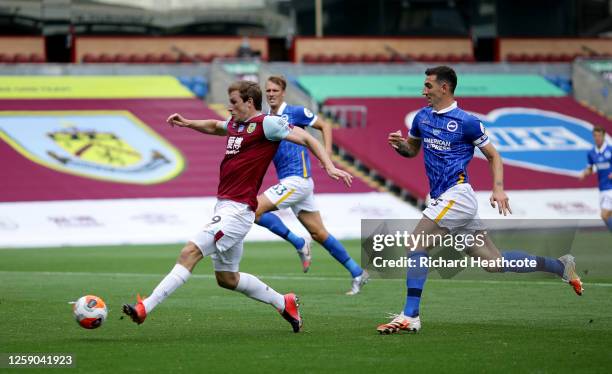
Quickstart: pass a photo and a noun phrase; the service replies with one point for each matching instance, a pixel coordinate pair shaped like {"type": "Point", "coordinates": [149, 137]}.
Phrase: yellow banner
{"type": "Point", "coordinates": [91, 87]}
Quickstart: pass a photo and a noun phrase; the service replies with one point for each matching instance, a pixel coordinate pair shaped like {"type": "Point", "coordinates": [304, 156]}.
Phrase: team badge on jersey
{"type": "Point", "coordinates": [452, 126]}
{"type": "Point", "coordinates": [112, 146]}
{"type": "Point", "coordinates": [251, 127]}
{"type": "Point", "coordinates": [308, 113]}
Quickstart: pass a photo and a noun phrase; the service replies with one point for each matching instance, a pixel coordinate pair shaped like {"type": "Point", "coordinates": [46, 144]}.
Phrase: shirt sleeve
{"type": "Point", "coordinates": [476, 133]}
{"type": "Point", "coordinates": [276, 128]}
{"type": "Point", "coordinates": [590, 161]}
{"type": "Point", "coordinates": [303, 116]}
{"type": "Point", "coordinates": [226, 123]}
{"type": "Point", "coordinates": [414, 131]}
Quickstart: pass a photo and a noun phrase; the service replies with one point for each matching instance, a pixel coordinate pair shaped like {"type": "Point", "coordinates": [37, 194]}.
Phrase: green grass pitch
{"type": "Point", "coordinates": [492, 323]}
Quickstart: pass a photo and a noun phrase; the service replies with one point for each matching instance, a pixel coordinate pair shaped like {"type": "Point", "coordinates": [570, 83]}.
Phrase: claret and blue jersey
{"type": "Point", "coordinates": [448, 139]}
{"type": "Point", "coordinates": [601, 159]}
{"type": "Point", "coordinates": [292, 159]}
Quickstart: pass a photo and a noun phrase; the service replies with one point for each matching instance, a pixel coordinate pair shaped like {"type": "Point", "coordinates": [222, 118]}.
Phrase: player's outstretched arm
{"type": "Point", "coordinates": [326, 132]}
{"type": "Point", "coordinates": [299, 136]}
{"type": "Point", "coordinates": [206, 126]}
{"type": "Point", "coordinates": [406, 147]}
{"type": "Point", "coordinates": [586, 172]}
{"type": "Point", "coordinates": [498, 197]}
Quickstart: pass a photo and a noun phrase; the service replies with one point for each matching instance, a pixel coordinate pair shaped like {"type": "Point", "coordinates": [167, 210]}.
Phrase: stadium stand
{"type": "Point", "coordinates": [347, 50]}
{"type": "Point", "coordinates": [22, 180]}
{"type": "Point", "coordinates": [165, 50]}
{"type": "Point", "coordinates": [551, 49]}
{"type": "Point", "coordinates": [22, 49]}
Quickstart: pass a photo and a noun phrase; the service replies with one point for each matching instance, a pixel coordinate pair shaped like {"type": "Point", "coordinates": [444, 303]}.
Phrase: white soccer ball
{"type": "Point", "coordinates": [90, 311]}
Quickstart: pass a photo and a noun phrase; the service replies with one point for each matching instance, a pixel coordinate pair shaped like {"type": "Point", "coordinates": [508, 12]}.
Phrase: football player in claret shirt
{"type": "Point", "coordinates": [295, 188]}
{"type": "Point", "coordinates": [252, 139]}
{"type": "Point", "coordinates": [449, 135]}
{"type": "Point", "coordinates": [600, 159]}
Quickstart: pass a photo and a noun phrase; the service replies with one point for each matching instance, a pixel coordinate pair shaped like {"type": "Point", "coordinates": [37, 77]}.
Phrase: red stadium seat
{"type": "Point", "coordinates": [36, 58]}
{"type": "Point", "coordinates": [382, 58]}
{"type": "Point", "coordinates": [367, 58]}
{"type": "Point", "coordinates": [20, 58]}
{"type": "Point", "coordinates": [89, 58]}
{"type": "Point", "coordinates": [186, 59]}
{"type": "Point", "coordinates": [467, 57]}
{"type": "Point", "coordinates": [152, 58]}
{"type": "Point", "coordinates": [106, 58]}
{"type": "Point", "coordinates": [308, 58]}
{"type": "Point", "coordinates": [325, 59]}
{"type": "Point", "coordinates": [120, 57]}
{"type": "Point", "coordinates": [136, 58]}
{"type": "Point", "coordinates": [167, 58]}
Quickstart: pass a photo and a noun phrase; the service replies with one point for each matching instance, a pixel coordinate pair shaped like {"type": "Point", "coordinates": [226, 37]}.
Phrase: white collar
{"type": "Point", "coordinates": [602, 148]}
{"type": "Point", "coordinates": [447, 109]}
{"type": "Point", "coordinates": [280, 110]}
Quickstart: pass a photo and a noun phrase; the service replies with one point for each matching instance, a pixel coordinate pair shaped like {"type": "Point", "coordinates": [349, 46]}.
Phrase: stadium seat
{"type": "Point", "coordinates": [167, 58]}
{"type": "Point", "coordinates": [325, 59]}
{"type": "Point", "coordinates": [89, 58]}
{"type": "Point", "coordinates": [36, 58]}
{"type": "Point", "coordinates": [20, 58]}
{"type": "Point", "coordinates": [382, 58]}
{"type": "Point", "coordinates": [121, 58]}
{"type": "Point", "coordinates": [308, 58]}
{"type": "Point", "coordinates": [136, 58]}
{"type": "Point", "coordinates": [367, 58]}
{"type": "Point", "coordinates": [467, 58]}
{"type": "Point", "coordinates": [106, 58]}
{"type": "Point", "coordinates": [152, 58]}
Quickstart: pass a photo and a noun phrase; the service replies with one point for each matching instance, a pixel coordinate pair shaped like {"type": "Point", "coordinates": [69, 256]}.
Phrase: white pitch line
{"type": "Point", "coordinates": [296, 277]}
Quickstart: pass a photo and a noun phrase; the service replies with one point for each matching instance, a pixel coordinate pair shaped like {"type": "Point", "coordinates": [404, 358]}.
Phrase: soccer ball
{"type": "Point", "coordinates": [90, 311]}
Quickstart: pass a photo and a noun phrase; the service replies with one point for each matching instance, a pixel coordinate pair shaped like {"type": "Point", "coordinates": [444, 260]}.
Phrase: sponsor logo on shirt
{"type": "Point", "coordinates": [233, 144]}
{"type": "Point", "coordinates": [437, 144]}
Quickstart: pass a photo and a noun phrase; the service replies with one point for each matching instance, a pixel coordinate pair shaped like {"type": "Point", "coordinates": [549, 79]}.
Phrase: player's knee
{"type": "Point", "coordinates": [227, 280]}
{"type": "Point", "coordinates": [189, 256]}
{"type": "Point", "coordinates": [319, 234]}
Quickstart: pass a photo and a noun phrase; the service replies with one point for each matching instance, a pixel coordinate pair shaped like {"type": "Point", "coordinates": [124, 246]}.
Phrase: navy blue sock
{"type": "Point", "coordinates": [609, 223]}
{"type": "Point", "coordinates": [335, 248]}
{"type": "Point", "coordinates": [547, 264]}
{"type": "Point", "coordinates": [416, 275]}
{"type": "Point", "coordinates": [274, 224]}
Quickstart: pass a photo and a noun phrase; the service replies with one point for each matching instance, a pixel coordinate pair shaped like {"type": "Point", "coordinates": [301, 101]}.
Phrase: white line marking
{"type": "Point", "coordinates": [295, 277]}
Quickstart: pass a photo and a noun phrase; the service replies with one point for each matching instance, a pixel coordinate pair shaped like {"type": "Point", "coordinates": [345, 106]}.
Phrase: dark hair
{"type": "Point", "coordinates": [278, 80]}
{"type": "Point", "coordinates": [247, 89]}
{"type": "Point", "coordinates": [444, 74]}
{"type": "Point", "coordinates": [599, 129]}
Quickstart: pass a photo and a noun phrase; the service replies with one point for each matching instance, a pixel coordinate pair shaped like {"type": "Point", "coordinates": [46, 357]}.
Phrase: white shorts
{"type": "Point", "coordinates": [456, 209]}
{"type": "Point", "coordinates": [222, 238]}
{"type": "Point", "coordinates": [605, 199]}
{"type": "Point", "coordinates": [293, 192]}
